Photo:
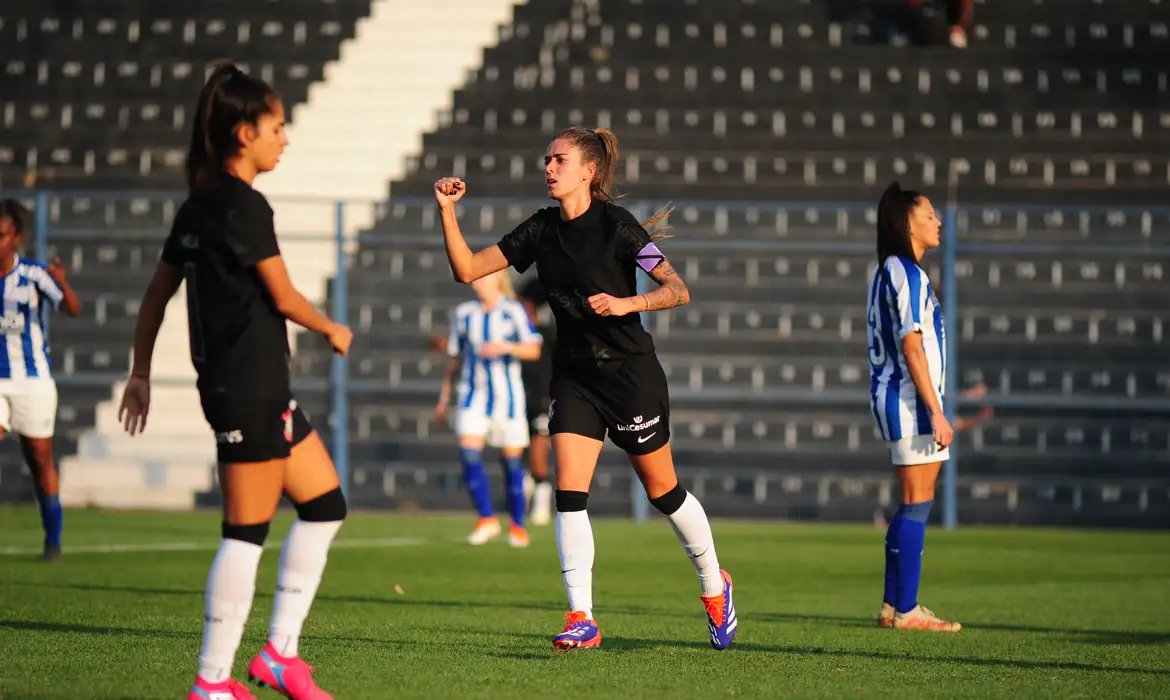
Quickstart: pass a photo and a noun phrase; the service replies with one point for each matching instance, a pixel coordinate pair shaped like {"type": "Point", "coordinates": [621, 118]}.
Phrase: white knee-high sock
{"type": "Point", "coordinates": [230, 588]}
{"type": "Point", "coordinates": [694, 532]}
{"type": "Point", "coordinates": [302, 562]}
{"type": "Point", "coordinates": [575, 545]}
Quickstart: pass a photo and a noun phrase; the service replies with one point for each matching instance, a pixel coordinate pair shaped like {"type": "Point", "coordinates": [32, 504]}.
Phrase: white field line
{"type": "Point", "coordinates": [354, 543]}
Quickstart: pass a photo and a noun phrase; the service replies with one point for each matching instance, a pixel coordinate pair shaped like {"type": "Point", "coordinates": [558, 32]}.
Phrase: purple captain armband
{"type": "Point", "coordinates": [649, 257]}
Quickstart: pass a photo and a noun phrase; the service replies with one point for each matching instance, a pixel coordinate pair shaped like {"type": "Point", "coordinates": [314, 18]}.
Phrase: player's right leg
{"type": "Point", "coordinates": [251, 492]}
{"type": "Point", "coordinates": [916, 460]}
{"type": "Point", "coordinates": [252, 461]}
{"type": "Point", "coordinates": [577, 433]}
{"type": "Point", "coordinates": [471, 426]}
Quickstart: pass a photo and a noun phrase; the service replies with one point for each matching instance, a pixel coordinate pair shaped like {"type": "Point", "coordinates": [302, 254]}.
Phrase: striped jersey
{"type": "Point", "coordinates": [901, 302]}
{"type": "Point", "coordinates": [491, 386]}
{"type": "Point", "coordinates": [28, 290]}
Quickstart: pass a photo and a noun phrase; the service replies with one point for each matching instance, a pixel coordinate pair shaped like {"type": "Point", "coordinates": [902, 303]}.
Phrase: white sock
{"type": "Point", "coordinates": [694, 531]}
{"type": "Point", "coordinates": [542, 497]}
{"type": "Point", "coordinates": [302, 561]}
{"type": "Point", "coordinates": [575, 545]}
{"type": "Point", "coordinates": [230, 587]}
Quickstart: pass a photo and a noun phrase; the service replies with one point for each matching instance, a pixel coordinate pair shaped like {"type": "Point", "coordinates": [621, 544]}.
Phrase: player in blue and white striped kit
{"type": "Point", "coordinates": [907, 359]}
{"type": "Point", "coordinates": [28, 394]}
{"type": "Point", "coordinates": [492, 335]}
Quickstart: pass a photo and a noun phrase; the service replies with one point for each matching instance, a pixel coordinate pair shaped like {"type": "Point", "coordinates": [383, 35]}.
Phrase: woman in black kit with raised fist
{"type": "Point", "coordinates": [606, 377]}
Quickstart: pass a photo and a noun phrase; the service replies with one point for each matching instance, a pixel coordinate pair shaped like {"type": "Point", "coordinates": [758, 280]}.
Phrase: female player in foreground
{"type": "Point", "coordinates": [907, 360]}
{"type": "Point", "coordinates": [606, 377]}
{"type": "Point", "coordinates": [488, 338]}
{"type": "Point", "coordinates": [239, 294]}
{"type": "Point", "coordinates": [28, 394]}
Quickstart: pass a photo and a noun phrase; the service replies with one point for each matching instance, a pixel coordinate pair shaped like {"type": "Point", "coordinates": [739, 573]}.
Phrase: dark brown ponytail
{"type": "Point", "coordinates": [229, 99]}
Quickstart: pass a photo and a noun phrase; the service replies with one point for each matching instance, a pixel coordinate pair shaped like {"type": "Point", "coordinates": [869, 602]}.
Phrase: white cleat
{"type": "Point", "coordinates": [486, 530]}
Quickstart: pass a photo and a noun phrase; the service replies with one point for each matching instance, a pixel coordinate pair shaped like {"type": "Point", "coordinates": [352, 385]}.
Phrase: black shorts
{"type": "Point", "coordinates": [628, 399]}
{"type": "Point", "coordinates": [254, 430]}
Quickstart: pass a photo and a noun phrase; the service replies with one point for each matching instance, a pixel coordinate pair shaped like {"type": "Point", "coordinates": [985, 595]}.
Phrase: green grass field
{"type": "Point", "coordinates": [406, 611]}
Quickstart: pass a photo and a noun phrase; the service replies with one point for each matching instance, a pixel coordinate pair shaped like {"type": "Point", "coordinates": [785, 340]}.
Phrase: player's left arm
{"type": "Point", "coordinates": [671, 292]}
{"type": "Point", "coordinates": [58, 289]}
{"type": "Point", "coordinates": [638, 249]}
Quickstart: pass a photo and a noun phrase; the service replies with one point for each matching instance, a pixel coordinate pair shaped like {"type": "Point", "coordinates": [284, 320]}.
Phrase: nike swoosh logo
{"type": "Point", "coordinates": [644, 439]}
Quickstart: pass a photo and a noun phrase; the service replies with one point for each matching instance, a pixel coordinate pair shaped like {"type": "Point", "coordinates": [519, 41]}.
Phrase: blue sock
{"type": "Point", "coordinates": [909, 539]}
{"type": "Point", "coordinates": [891, 561]}
{"type": "Point", "coordinates": [514, 475]}
{"type": "Point", "coordinates": [51, 518]}
{"type": "Point", "coordinates": [476, 481]}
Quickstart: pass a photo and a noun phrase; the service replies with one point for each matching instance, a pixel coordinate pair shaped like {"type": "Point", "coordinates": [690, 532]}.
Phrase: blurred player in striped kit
{"type": "Point", "coordinates": [489, 338]}
{"type": "Point", "coordinates": [28, 394]}
{"type": "Point", "coordinates": [907, 358]}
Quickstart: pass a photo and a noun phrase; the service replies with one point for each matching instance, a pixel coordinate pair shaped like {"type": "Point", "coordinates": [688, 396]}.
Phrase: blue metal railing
{"type": "Point", "coordinates": [340, 385]}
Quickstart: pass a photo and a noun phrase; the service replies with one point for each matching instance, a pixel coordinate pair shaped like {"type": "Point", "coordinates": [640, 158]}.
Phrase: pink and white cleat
{"type": "Point", "coordinates": [225, 690]}
{"type": "Point", "coordinates": [291, 678]}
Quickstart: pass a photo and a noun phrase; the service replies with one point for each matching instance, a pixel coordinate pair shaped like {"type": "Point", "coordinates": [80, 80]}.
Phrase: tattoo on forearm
{"type": "Point", "coordinates": [672, 293]}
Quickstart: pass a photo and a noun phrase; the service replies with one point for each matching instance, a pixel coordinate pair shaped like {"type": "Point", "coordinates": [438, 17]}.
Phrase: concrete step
{"type": "Point", "coordinates": [117, 497]}
{"type": "Point", "coordinates": [156, 445]}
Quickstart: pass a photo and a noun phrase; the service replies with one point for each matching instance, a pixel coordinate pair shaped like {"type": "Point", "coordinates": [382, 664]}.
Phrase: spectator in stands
{"type": "Point", "coordinates": [239, 295]}
{"type": "Point", "coordinates": [488, 338]}
{"type": "Point", "coordinates": [933, 22]}
{"type": "Point", "coordinates": [606, 377]}
{"type": "Point", "coordinates": [907, 354]}
{"type": "Point", "coordinates": [28, 394]}
{"type": "Point", "coordinates": [537, 380]}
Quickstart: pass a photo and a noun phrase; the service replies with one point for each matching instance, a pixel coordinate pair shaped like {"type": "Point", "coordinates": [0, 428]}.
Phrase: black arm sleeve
{"type": "Point", "coordinates": [635, 247]}
{"type": "Point", "coordinates": [520, 246]}
{"type": "Point", "coordinates": [251, 233]}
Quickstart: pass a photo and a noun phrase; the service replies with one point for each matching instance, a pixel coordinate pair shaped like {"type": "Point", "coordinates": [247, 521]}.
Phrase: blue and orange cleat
{"type": "Point", "coordinates": [291, 678]}
{"type": "Point", "coordinates": [580, 632]}
{"type": "Point", "coordinates": [721, 618]}
{"type": "Point", "coordinates": [226, 690]}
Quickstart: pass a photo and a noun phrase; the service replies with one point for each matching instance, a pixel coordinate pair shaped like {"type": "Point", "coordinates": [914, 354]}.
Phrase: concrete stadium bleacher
{"type": "Point", "coordinates": [98, 99]}
{"type": "Point", "coordinates": [742, 114]}
{"type": "Point", "coordinates": [772, 126]}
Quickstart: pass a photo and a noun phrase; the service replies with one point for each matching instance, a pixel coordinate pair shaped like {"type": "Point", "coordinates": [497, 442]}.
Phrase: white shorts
{"type": "Point", "coordinates": [919, 449]}
{"type": "Point", "coordinates": [28, 407]}
{"type": "Point", "coordinates": [497, 432]}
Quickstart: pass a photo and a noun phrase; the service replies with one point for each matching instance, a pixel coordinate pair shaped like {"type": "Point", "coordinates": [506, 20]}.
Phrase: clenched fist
{"type": "Point", "coordinates": [449, 190]}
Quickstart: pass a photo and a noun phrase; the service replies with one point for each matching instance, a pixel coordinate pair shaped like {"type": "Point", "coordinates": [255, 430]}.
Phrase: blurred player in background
{"type": "Point", "coordinates": [537, 381]}
{"type": "Point", "coordinates": [607, 379]}
{"type": "Point", "coordinates": [239, 299]}
{"type": "Point", "coordinates": [907, 358]}
{"type": "Point", "coordinates": [28, 394]}
{"type": "Point", "coordinates": [488, 339]}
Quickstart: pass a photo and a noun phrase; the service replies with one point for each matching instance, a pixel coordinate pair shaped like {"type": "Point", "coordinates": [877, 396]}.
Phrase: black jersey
{"type": "Point", "coordinates": [597, 252]}
{"type": "Point", "coordinates": [239, 340]}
